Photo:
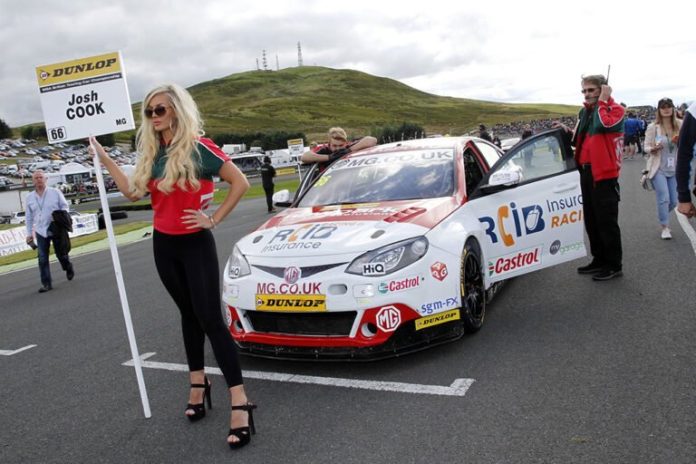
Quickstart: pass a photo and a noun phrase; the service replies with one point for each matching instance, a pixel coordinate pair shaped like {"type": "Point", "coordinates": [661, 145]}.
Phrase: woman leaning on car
{"type": "Point", "coordinates": [661, 139]}
{"type": "Point", "coordinates": [176, 165]}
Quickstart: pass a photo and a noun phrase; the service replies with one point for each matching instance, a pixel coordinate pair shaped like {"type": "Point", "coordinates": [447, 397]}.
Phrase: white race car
{"type": "Point", "coordinates": [399, 247]}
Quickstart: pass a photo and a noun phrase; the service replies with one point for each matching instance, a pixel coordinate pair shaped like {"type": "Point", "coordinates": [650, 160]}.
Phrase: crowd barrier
{"type": "Point", "coordinates": [15, 240]}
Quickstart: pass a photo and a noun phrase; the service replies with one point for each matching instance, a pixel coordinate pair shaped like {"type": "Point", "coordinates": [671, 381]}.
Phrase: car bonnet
{"type": "Point", "coordinates": [344, 229]}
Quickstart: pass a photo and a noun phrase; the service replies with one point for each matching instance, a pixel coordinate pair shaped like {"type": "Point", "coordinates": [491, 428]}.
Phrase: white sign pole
{"type": "Point", "coordinates": [89, 96]}
{"type": "Point", "coordinates": [121, 286]}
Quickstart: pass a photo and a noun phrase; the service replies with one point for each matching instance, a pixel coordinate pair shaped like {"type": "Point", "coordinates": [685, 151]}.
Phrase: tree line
{"type": "Point", "coordinates": [267, 140]}
{"type": "Point", "coordinates": [279, 139]}
{"type": "Point", "coordinates": [397, 132]}
{"type": "Point", "coordinates": [5, 131]}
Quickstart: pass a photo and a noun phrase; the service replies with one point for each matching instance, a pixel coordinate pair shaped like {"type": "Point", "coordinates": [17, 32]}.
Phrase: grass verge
{"type": "Point", "coordinates": [256, 190]}
{"type": "Point", "coordinates": [76, 242]}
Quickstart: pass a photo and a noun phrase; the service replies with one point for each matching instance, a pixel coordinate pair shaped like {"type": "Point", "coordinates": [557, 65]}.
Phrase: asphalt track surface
{"type": "Point", "coordinates": [565, 370]}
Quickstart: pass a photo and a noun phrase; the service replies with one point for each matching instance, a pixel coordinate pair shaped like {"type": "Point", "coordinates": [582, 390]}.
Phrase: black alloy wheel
{"type": "Point", "coordinates": [472, 291]}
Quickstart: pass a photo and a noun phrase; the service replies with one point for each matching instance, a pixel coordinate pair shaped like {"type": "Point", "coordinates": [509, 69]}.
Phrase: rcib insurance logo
{"type": "Point", "coordinates": [513, 222]}
{"type": "Point", "coordinates": [388, 318]}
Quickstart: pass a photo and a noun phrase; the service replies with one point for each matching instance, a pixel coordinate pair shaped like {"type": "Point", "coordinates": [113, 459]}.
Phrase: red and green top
{"type": "Point", "coordinates": [169, 208]}
{"type": "Point", "coordinates": [599, 138]}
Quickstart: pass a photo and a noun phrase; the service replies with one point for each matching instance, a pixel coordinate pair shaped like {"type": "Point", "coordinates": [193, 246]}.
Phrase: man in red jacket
{"type": "Point", "coordinates": [337, 146]}
{"type": "Point", "coordinates": [598, 140]}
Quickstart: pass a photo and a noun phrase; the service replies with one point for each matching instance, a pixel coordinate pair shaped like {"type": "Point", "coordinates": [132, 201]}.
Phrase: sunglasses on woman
{"type": "Point", "coordinates": [159, 111]}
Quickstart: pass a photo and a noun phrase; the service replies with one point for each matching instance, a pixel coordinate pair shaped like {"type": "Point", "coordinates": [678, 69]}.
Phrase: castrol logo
{"type": "Point", "coordinates": [514, 261]}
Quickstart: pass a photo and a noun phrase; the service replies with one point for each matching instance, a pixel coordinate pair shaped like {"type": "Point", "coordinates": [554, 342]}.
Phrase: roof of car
{"type": "Point", "coordinates": [418, 144]}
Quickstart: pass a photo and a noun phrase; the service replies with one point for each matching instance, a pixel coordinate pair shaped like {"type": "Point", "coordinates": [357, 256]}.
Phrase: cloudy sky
{"type": "Point", "coordinates": [533, 51]}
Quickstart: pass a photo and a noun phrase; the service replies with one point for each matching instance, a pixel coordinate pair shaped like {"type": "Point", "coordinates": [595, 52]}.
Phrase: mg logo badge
{"type": "Point", "coordinates": [388, 318]}
{"type": "Point", "coordinates": [292, 274]}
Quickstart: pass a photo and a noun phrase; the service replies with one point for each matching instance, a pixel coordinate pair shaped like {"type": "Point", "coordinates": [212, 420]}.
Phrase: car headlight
{"type": "Point", "coordinates": [237, 265]}
{"type": "Point", "coordinates": [389, 258]}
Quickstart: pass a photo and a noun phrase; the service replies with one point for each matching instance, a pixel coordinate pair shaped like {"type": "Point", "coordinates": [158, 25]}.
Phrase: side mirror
{"type": "Point", "coordinates": [282, 198]}
{"type": "Point", "coordinates": [507, 178]}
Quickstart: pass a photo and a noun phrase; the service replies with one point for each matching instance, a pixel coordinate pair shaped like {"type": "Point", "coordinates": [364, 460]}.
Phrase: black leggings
{"type": "Point", "coordinates": [188, 267]}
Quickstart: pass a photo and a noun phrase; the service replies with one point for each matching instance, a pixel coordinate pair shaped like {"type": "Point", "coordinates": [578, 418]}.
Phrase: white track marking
{"type": "Point", "coordinates": [688, 229]}
{"type": "Point", "coordinates": [458, 388]}
{"type": "Point", "coordinates": [11, 352]}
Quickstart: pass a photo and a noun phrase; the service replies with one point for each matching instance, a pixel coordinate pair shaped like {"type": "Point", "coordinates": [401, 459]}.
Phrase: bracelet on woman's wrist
{"type": "Point", "coordinates": [212, 221]}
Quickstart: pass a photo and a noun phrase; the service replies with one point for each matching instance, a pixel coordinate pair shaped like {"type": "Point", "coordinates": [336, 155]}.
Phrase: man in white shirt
{"type": "Point", "coordinates": [40, 205]}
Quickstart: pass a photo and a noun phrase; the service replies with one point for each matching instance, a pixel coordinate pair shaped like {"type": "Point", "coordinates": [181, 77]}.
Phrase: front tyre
{"type": "Point", "coordinates": [471, 288]}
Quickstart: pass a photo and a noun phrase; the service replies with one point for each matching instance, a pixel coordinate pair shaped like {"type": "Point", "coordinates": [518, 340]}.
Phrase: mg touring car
{"type": "Point", "coordinates": [401, 246]}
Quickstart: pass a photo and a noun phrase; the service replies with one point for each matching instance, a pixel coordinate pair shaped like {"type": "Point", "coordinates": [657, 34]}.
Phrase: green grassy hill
{"type": "Point", "coordinates": [311, 99]}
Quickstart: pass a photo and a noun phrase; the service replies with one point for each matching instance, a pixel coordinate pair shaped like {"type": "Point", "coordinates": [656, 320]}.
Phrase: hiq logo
{"type": "Point", "coordinates": [530, 216]}
{"type": "Point", "coordinates": [373, 269]}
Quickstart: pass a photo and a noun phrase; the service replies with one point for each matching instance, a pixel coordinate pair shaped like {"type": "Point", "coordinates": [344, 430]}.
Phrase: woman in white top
{"type": "Point", "coordinates": [661, 139]}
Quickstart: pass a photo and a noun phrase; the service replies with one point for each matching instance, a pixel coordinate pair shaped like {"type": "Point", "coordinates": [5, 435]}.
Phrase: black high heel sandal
{"type": "Point", "coordinates": [242, 433]}
{"type": "Point", "coordinates": [199, 409]}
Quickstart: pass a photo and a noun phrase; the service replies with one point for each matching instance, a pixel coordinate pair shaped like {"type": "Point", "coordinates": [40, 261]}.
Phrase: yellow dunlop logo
{"type": "Point", "coordinates": [82, 68]}
{"type": "Point", "coordinates": [290, 303]}
{"type": "Point", "coordinates": [435, 319]}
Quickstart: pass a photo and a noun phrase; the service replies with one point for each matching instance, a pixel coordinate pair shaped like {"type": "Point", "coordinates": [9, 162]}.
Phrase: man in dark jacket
{"type": "Point", "coordinates": [483, 133]}
{"type": "Point", "coordinates": [268, 172]}
{"type": "Point", "coordinates": [528, 152]}
{"type": "Point", "coordinates": [61, 225]}
{"type": "Point", "coordinates": [598, 140]}
{"type": "Point", "coordinates": [685, 154]}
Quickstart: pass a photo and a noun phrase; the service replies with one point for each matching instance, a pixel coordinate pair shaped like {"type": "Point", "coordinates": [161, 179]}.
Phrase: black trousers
{"type": "Point", "coordinates": [600, 204]}
{"type": "Point", "coordinates": [188, 267]}
{"type": "Point", "coordinates": [269, 196]}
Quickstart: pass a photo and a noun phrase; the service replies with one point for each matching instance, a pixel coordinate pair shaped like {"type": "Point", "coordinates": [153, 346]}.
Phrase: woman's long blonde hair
{"type": "Point", "coordinates": [186, 126]}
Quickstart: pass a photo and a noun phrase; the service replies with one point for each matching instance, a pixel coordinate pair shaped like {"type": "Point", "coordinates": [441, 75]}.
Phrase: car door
{"type": "Point", "coordinates": [529, 206]}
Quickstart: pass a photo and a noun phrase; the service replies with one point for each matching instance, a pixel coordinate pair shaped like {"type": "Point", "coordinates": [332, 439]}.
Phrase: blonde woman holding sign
{"type": "Point", "coordinates": [177, 165]}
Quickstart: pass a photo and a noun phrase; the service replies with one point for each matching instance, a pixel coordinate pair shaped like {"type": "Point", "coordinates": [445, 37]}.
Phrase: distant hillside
{"type": "Point", "coordinates": [311, 99]}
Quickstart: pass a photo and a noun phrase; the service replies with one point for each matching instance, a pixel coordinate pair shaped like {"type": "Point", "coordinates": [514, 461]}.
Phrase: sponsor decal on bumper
{"type": "Point", "coordinates": [530, 257]}
{"type": "Point", "coordinates": [290, 303]}
{"type": "Point", "coordinates": [436, 319]}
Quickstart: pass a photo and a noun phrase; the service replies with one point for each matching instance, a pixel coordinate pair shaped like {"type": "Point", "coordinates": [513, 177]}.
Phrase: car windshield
{"type": "Point", "coordinates": [407, 175]}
